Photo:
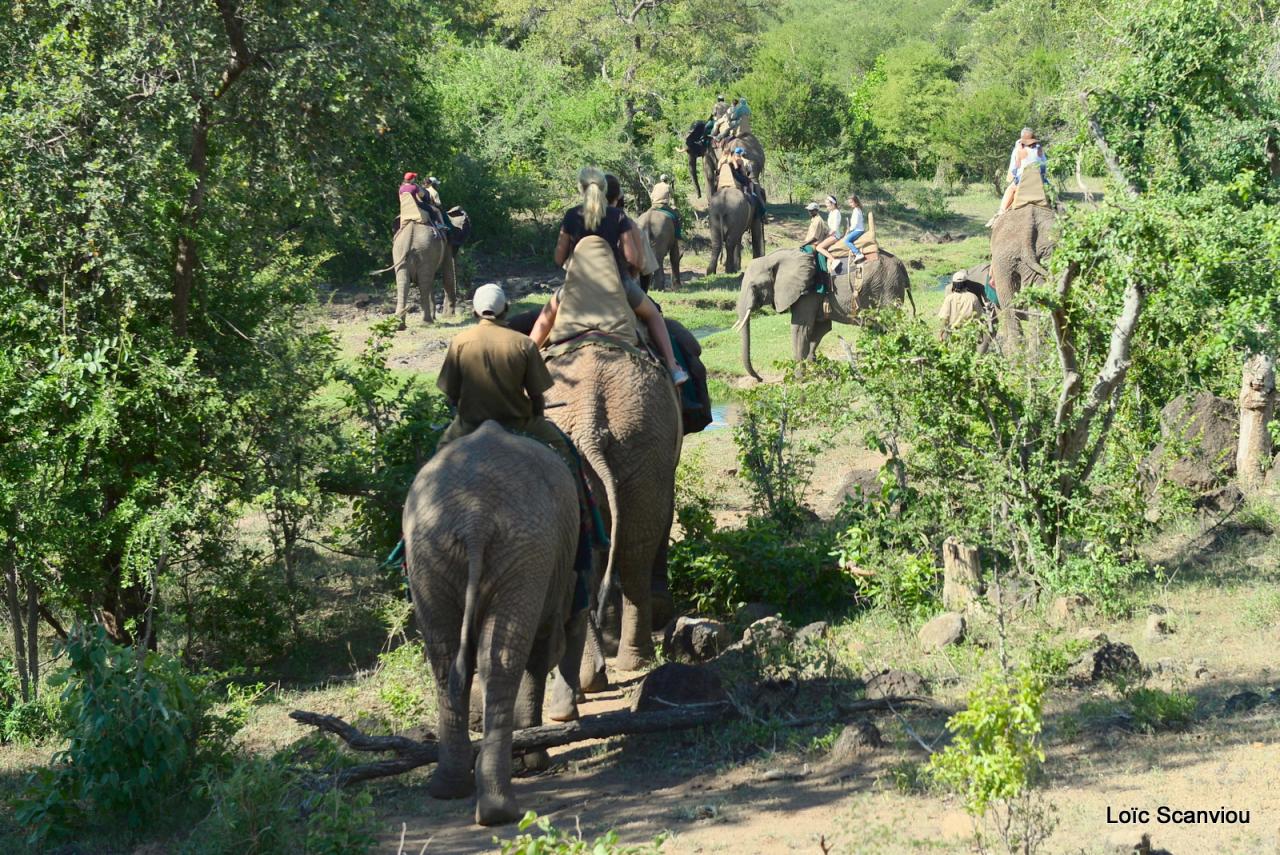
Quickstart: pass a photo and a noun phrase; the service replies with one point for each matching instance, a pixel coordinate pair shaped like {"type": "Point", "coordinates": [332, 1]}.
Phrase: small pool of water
{"type": "Point", "coordinates": [719, 417]}
{"type": "Point", "coordinates": [701, 333]}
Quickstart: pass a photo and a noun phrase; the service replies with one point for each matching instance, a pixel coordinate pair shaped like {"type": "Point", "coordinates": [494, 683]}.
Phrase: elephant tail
{"type": "Point", "coordinates": [465, 661]}
{"type": "Point", "coordinates": [596, 458]}
{"type": "Point", "coordinates": [911, 300]}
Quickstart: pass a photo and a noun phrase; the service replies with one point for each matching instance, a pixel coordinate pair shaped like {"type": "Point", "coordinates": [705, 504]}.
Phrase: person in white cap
{"type": "Point", "coordinates": [493, 372]}
{"type": "Point", "coordinates": [817, 226]}
{"type": "Point", "coordinates": [961, 303]}
{"type": "Point", "coordinates": [660, 195]}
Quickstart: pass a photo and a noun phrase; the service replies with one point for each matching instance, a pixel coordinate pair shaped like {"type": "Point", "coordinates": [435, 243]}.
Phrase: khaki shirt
{"type": "Point", "coordinates": [488, 371]}
{"type": "Point", "coordinates": [817, 230]}
{"type": "Point", "coordinates": [660, 194]}
{"type": "Point", "coordinates": [958, 307]}
{"type": "Point", "coordinates": [409, 211]}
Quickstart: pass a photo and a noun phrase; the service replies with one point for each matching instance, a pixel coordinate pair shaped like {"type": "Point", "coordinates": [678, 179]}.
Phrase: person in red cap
{"type": "Point", "coordinates": [414, 207]}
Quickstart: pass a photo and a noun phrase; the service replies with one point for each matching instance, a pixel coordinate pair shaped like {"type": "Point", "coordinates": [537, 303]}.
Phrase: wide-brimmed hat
{"type": "Point", "coordinates": [489, 300]}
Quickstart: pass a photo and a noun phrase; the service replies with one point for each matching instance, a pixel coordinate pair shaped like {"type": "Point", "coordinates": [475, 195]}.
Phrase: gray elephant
{"type": "Point", "coordinates": [419, 252]}
{"type": "Point", "coordinates": [785, 279]}
{"type": "Point", "coordinates": [660, 230]}
{"type": "Point", "coordinates": [490, 528]}
{"type": "Point", "coordinates": [731, 215]}
{"type": "Point", "coordinates": [621, 412]}
{"type": "Point", "coordinates": [1021, 241]}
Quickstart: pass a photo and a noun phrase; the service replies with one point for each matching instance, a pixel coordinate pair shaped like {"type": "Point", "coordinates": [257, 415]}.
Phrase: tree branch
{"type": "Point", "coordinates": [1071, 381]}
{"type": "Point", "coordinates": [411, 753]}
{"type": "Point", "coordinates": [1108, 157]}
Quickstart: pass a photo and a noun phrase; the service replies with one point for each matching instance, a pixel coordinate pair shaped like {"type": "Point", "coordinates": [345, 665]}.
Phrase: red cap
{"type": "Point", "coordinates": [409, 176]}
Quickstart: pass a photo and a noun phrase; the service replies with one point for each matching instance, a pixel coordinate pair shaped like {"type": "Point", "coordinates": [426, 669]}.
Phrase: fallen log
{"type": "Point", "coordinates": [412, 753]}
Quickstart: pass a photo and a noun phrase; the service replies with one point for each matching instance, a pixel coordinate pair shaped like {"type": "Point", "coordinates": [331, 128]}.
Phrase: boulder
{"type": "Point", "coordinates": [691, 639]}
{"type": "Point", "coordinates": [749, 613]}
{"type": "Point", "coordinates": [676, 684]}
{"type": "Point", "coordinates": [1157, 627]}
{"type": "Point", "coordinates": [854, 742]}
{"type": "Point", "coordinates": [1106, 660]}
{"type": "Point", "coordinates": [1242, 702]}
{"type": "Point", "coordinates": [944, 630]}
{"type": "Point", "coordinates": [816, 631]}
{"type": "Point", "coordinates": [766, 631]}
{"type": "Point", "coordinates": [362, 301]}
{"type": "Point", "coordinates": [1198, 443]}
{"type": "Point", "coordinates": [894, 683]}
{"type": "Point", "coordinates": [1064, 611]}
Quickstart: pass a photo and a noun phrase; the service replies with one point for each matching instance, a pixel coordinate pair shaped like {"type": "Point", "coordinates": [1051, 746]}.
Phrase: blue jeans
{"type": "Point", "coordinates": [850, 237]}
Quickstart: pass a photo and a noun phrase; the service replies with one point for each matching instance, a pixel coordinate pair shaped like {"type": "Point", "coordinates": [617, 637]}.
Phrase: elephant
{"type": "Point", "coordinates": [753, 152]}
{"type": "Point", "coordinates": [784, 279]}
{"type": "Point", "coordinates": [419, 252]}
{"type": "Point", "coordinates": [491, 525]}
{"type": "Point", "coordinates": [621, 411]}
{"type": "Point", "coordinates": [731, 215]}
{"type": "Point", "coordinates": [660, 230]}
{"type": "Point", "coordinates": [1021, 241]}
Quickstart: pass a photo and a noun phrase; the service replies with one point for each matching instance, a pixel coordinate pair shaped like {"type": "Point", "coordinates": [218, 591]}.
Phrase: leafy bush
{"type": "Point", "coordinates": [1097, 574]}
{"type": "Point", "coordinates": [553, 841]}
{"type": "Point", "coordinates": [405, 685]}
{"type": "Point", "coordinates": [775, 463]}
{"type": "Point", "coordinates": [760, 562]}
{"type": "Point", "coordinates": [259, 808]}
{"type": "Point", "coordinates": [1155, 710]}
{"type": "Point", "coordinates": [1050, 662]}
{"type": "Point", "coordinates": [995, 757]}
{"type": "Point", "coordinates": [33, 721]}
{"type": "Point", "coordinates": [133, 724]}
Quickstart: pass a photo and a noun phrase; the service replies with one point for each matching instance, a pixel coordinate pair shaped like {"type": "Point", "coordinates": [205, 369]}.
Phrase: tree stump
{"type": "Point", "coordinates": [961, 575]}
{"type": "Point", "coordinates": [1257, 406]}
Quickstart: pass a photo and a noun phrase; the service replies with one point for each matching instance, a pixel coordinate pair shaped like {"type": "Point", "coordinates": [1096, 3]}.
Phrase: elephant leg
{"type": "Point", "coordinates": [561, 702]}
{"type": "Point", "coordinates": [427, 288]}
{"type": "Point", "coordinates": [529, 700]}
{"type": "Point", "coordinates": [757, 236]}
{"type": "Point", "coordinates": [675, 265]}
{"type": "Point", "coordinates": [592, 675]}
{"type": "Point", "coordinates": [716, 241]}
{"type": "Point", "coordinates": [496, 799]}
{"type": "Point", "coordinates": [403, 279]}
{"type": "Point", "coordinates": [660, 591]}
{"type": "Point", "coordinates": [449, 279]}
{"type": "Point", "coordinates": [733, 256]}
{"type": "Point", "coordinates": [453, 777]}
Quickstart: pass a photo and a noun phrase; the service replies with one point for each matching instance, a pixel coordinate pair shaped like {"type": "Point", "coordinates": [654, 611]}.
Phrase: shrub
{"type": "Point", "coordinates": [132, 723]}
{"type": "Point", "coordinates": [553, 841]}
{"type": "Point", "coordinates": [32, 721]}
{"type": "Point", "coordinates": [1155, 710]}
{"type": "Point", "coordinates": [1050, 662]}
{"type": "Point", "coordinates": [995, 757]}
{"type": "Point", "coordinates": [774, 462]}
{"type": "Point", "coordinates": [1098, 574]}
{"type": "Point", "coordinates": [405, 685]}
{"type": "Point", "coordinates": [760, 562]}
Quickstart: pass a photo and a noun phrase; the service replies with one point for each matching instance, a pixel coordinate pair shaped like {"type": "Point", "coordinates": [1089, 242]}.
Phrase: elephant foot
{"type": "Point", "coordinates": [633, 659]}
{"type": "Point", "coordinates": [598, 682]}
{"type": "Point", "coordinates": [663, 609]}
{"type": "Point", "coordinates": [497, 809]}
{"type": "Point", "coordinates": [561, 703]}
{"type": "Point", "coordinates": [531, 762]}
{"type": "Point", "coordinates": [446, 786]}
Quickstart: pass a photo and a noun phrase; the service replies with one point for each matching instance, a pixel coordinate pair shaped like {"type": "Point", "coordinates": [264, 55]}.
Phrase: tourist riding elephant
{"type": "Point", "coordinates": [784, 279]}
{"type": "Point", "coordinates": [731, 215]}
{"type": "Point", "coordinates": [753, 151]}
{"type": "Point", "coordinates": [1021, 240]}
{"type": "Point", "coordinates": [660, 230]}
{"type": "Point", "coordinates": [490, 526]}
{"type": "Point", "coordinates": [419, 252]}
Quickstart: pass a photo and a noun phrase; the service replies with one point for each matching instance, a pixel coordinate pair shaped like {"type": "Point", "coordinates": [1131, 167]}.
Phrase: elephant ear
{"type": "Point", "coordinates": [794, 275]}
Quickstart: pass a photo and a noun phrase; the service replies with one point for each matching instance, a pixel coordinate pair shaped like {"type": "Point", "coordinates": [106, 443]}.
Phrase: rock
{"type": "Point", "coordinates": [915, 264]}
{"type": "Point", "coordinates": [691, 639]}
{"type": "Point", "coordinates": [1200, 669]}
{"type": "Point", "coordinates": [961, 574]}
{"type": "Point", "coordinates": [677, 684]}
{"type": "Point", "coordinates": [816, 631]}
{"type": "Point", "coordinates": [749, 613]}
{"type": "Point", "coordinates": [944, 630]}
{"type": "Point", "coordinates": [1064, 611]}
{"type": "Point", "coordinates": [362, 301]}
{"type": "Point", "coordinates": [1106, 660]}
{"type": "Point", "coordinates": [1242, 702]}
{"type": "Point", "coordinates": [894, 683]}
{"type": "Point", "coordinates": [388, 309]}
{"type": "Point", "coordinates": [413, 308]}
{"type": "Point", "coordinates": [1156, 609]}
{"type": "Point", "coordinates": [768, 630]}
{"type": "Point", "coordinates": [1122, 842]}
{"type": "Point", "coordinates": [854, 742]}
{"type": "Point", "coordinates": [1219, 501]}
{"type": "Point", "coordinates": [1157, 627]}
{"type": "Point", "coordinates": [1202, 428]}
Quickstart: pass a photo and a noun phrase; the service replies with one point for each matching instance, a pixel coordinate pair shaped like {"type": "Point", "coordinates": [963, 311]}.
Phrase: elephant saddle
{"type": "Point", "coordinates": [1030, 190]}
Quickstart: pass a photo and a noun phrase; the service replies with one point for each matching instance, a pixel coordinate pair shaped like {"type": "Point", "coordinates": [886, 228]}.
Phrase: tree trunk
{"type": "Point", "coordinates": [33, 638]}
{"type": "Point", "coordinates": [961, 574]}
{"type": "Point", "coordinates": [15, 619]}
{"type": "Point", "coordinates": [1257, 406]}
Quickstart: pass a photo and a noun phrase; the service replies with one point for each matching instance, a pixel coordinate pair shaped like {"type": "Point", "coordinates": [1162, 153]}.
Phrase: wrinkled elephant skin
{"type": "Point", "coordinates": [419, 252]}
{"type": "Point", "coordinates": [490, 527]}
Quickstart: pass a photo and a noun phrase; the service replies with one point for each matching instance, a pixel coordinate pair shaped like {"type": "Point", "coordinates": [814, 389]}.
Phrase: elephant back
{"type": "Point", "coordinates": [878, 282]}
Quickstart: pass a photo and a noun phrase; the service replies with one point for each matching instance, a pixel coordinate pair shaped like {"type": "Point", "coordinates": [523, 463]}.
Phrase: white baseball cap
{"type": "Point", "coordinates": [812, 206]}
{"type": "Point", "coordinates": [489, 300]}
{"type": "Point", "coordinates": [959, 276]}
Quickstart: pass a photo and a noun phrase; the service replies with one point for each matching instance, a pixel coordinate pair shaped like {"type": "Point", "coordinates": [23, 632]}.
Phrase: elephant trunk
{"type": "Point", "coordinates": [693, 174]}
{"type": "Point", "coordinates": [746, 304]}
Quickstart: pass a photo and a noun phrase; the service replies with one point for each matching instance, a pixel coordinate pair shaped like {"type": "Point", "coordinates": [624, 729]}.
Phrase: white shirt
{"type": "Point", "coordinates": [857, 221]}
{"type": "Point", "coordinates": [834, 219]}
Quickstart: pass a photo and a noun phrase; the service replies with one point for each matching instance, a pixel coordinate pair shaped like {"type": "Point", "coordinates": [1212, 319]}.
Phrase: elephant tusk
{"type": "Point", "coordinates": [742, 322]}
